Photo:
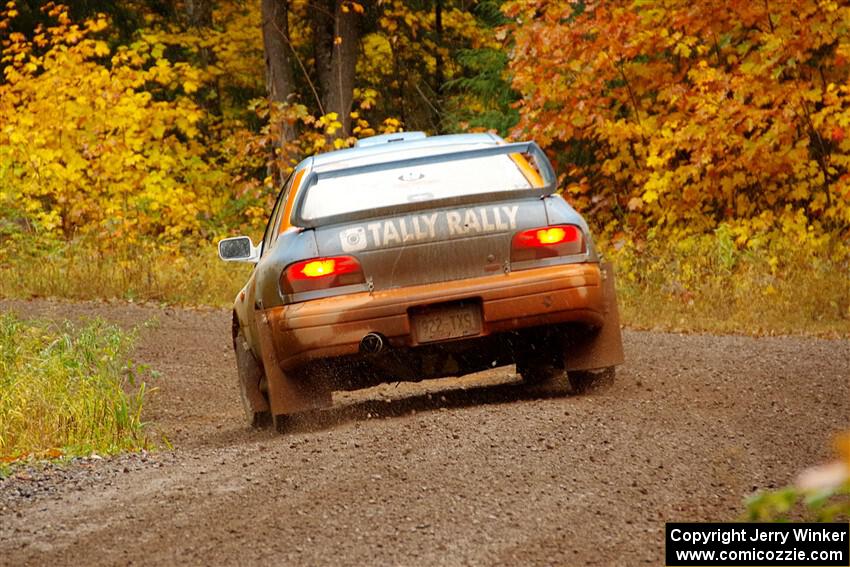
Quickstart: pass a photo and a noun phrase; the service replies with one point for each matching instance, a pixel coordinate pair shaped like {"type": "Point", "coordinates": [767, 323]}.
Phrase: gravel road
{"type": "Point", "coordinates": [472, 471]}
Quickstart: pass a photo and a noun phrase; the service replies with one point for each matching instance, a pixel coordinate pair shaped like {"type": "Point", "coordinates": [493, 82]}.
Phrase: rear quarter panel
{"type": "Point", "coordinates": [558, 211]}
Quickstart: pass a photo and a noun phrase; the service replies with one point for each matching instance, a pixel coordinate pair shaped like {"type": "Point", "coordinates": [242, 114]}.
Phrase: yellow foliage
{"type": "Point", "coordinates": [705, 112]}
{"type": "Point", "coordinates": [86, 148]}
{"type": "Point", "coordinates": [743, 276]}
{"type": "Point", "coordinates": [126, 148]}
{"type": "Point", "coordinates": [168, 138]}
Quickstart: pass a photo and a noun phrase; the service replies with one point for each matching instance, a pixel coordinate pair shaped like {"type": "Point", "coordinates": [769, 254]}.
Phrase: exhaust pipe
{"type": "Point", "coordinates": [372, 343]}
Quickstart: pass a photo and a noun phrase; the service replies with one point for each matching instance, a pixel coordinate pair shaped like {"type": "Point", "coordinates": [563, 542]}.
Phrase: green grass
{"type": "Point", "coordinates": [67, 391]}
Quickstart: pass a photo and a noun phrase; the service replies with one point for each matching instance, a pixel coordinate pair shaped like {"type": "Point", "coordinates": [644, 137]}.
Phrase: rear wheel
{"type": "Point", "coordinates": [282, 423]}
{"type": "Point", "coordinates": [255, 403]}
{"type": "Point", "coordinates": [535, 373]}
{"type": "Point", "coordinates": [540, 363]}
{"type": "Point", "coordinates": [584, 381]}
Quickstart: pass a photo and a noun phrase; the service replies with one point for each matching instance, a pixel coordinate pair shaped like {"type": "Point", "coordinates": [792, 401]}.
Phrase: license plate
{"type": "Point", "coordinates": [449, 322]}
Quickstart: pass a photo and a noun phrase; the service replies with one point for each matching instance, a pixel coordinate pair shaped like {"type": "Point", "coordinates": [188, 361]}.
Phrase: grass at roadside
{"type": "Point", "coordinates": [67, 391]}
{"type": "Point", "coordinates": [697, 283]}
{"type": "Point", "coordinates": [708, 283]}
{"type": "Point", "coordinates": [79, 270]}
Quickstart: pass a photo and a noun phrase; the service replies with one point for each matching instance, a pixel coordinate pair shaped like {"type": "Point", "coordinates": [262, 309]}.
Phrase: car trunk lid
{"type": "Point", "coordinates": [433, 245]}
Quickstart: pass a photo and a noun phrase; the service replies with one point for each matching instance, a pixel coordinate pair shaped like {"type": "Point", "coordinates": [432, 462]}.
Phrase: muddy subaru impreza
{"type": "Point", "coordinates": [410, 257]}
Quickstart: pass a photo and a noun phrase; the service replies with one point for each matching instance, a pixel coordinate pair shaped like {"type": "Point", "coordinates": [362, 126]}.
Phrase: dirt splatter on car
{"type": "Point", "coordinates": [410, 257]}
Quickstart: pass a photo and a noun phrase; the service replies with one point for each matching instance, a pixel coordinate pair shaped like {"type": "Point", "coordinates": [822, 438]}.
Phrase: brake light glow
{"type": "Point", "coordinates": [318, 268]}
{"type": "Point", "coordinates": [546, 236]}
{"type": "Point", "coordinates": [551, 235]}
{"type": "Point", "coordinates": [321, 273]}
{"type": "Point", "coordinates": [547, 242]}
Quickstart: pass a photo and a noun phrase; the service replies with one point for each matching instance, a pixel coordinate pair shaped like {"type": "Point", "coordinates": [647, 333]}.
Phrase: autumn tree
{"type": "Point", "coordinates": [336, 33]}
{"type": "Point", "coordinates": [278, 54]}
{"type": "Point", "coordinates": [180, 125]}
{"type": "Point", "coordinates": [688, 114]}
{"type": "Point", "coordinates": [125, 17]}
{"type": "Point", "coordinates": [90, 150]}
{"type": "Point", "coordinates": [411, 56]}
{"type": "Point", "coordinates": [479, 96]}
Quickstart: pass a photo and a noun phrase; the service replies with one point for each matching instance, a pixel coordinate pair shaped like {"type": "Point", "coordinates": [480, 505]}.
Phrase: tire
{"type": "Point", "coordinates": [255, 403]}
{"type": "Point", "coordinates": [586, 381]}
{"type": "Point", "coordinates": [540, 364]}
{"type": "Point", "coordinates": [536, 373]}
{"type": "Point", "coordinates": [282, 423]}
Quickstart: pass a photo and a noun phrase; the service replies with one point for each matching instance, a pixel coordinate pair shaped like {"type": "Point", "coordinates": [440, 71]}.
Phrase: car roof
{"type": "Point", "coordinates": [416, 146]}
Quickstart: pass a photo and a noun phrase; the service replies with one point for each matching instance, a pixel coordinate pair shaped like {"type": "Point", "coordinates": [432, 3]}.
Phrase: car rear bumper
{"type": "Point", "coordinates": [334, 326]}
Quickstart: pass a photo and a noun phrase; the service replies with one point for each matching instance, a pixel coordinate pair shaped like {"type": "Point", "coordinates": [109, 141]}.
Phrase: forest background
{"type": "Point", "coordinates": [708, 144]}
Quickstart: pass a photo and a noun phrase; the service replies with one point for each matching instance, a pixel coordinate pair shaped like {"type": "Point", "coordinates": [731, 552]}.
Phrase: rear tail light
{"type": "Point", "coordinates": [547, 242]}
{"type": "Point", "coordinates": [321, 273]}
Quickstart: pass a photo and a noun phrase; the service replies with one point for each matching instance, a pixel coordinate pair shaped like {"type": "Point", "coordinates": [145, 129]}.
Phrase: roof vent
{"type": "Point", "coordinates": [389, 138]}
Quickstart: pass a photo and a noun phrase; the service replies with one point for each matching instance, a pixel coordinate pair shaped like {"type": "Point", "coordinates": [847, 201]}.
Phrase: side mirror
{"type": "Point", "coordinates": [238, 249]}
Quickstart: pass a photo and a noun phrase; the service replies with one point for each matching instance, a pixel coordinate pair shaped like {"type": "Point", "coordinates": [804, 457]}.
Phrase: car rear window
{"type": "Point", "coordinates": [398, 184]}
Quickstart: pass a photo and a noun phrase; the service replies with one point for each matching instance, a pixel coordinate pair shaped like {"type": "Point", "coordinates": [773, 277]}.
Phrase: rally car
{"type": "Point", "coordinates": [410, 257]}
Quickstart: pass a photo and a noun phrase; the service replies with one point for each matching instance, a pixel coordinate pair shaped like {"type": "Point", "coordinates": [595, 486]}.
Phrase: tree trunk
{"type": "Point", "coordinates": [200, 15]}
{"type": "Point", "coordinates": [278, 54]}
{"type": "Point", "coordinates": [335, 39]}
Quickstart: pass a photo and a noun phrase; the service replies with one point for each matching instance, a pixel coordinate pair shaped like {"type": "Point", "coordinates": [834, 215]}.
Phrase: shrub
{"type": "Point", "coordinates": [774, 283]}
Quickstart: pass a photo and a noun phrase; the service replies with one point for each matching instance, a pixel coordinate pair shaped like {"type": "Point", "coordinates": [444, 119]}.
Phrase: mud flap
{"type": "Point", "coordinates": [250, 376]}
{"type": "Point", "coordinates": [287, 395]}
{"type": "Point", "coordinates": [604, 347]}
